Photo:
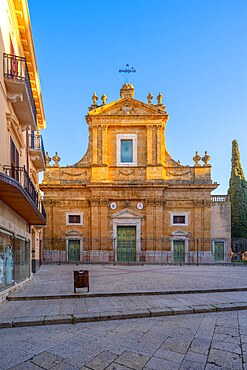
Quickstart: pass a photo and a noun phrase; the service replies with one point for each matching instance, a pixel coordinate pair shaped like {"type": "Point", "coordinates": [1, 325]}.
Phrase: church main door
{"type": "Point", "coordinates": [126, 243]}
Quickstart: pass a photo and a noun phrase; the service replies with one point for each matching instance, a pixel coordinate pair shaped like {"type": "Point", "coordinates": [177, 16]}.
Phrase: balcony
{"type": "Point", "coordinates": [19, 193]}
{"type": "Point", "coordinates": [36, 150]}
{"type": "Point", "coordinates": [19, 90]}
{"type": "Point", "coordinates": [220, 198]}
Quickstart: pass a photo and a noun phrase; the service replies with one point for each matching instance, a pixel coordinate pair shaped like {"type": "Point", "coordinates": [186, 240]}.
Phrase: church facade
{"type": "Point", "coordinates": [127, 200]}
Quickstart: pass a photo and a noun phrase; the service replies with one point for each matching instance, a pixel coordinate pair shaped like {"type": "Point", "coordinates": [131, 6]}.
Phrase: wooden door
{"type": "Point", "coordinates": [73, 250]}
{"type": "Point", "coordinates": [179, 251]}
{"type": "Point", "coordinates": [126, 243]}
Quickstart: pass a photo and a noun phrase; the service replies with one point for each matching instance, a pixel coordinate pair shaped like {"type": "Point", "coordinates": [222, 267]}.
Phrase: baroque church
{"type": "Point", "coordinates": [127, 200]}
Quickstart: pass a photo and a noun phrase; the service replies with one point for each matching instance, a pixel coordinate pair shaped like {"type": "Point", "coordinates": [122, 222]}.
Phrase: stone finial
{"type": "Point", "coordinates": [94, 99]}
{"type": "Point", "coordinates": [104, 99]}
{"type": "Point", "coordinates": [196, 159]}
{"type": "Point", "coordinates": [206, 159]}
{"type": "Point", "coordinates": [159, 100]}
{"type": "Point", "coordinates": [56, 159]}
{"type": "Point", "coordinates": [47, 160]}
{"type": "Point", "coordinates": [127, 91]}
{"type": "Point", "coordinates": [150, 98]}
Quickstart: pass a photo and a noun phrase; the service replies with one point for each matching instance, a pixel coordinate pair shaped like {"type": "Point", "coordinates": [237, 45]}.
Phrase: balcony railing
{"type": "Point", "coordinates": [20, 174]}
{"type": "Point", "coordinates": [36, 143]}
{"type": "Point", "coordinates": [220, 198]}
{"type": "Point", "coordinates": [15, 69]}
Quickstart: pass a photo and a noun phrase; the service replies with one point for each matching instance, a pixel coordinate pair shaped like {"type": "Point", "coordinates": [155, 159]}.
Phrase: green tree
{"type": "Point", "coordinates": [238, 195]}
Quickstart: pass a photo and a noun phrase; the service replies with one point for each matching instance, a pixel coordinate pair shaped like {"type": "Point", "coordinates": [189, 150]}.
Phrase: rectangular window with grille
{"type": "Point", "coordinates": [74, 218]}
{"type": "Point", "coordinates": [179, 219]}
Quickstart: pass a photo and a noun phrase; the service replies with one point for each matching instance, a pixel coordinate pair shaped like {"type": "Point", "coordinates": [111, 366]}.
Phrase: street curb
{"type": "Point", "coordinates": [122, 294]}
{"type": "Point", "coordinates": [119, 315]}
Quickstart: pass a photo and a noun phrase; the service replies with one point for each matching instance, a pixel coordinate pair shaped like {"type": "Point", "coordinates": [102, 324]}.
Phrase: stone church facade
{"type": "Point", "coordinates": [127, 200]}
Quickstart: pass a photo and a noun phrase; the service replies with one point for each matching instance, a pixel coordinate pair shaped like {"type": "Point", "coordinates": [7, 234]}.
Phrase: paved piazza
{"type": "Point", "coordinates": [109, 278]}
{"type": "Point", "coordinates": [164, 332]}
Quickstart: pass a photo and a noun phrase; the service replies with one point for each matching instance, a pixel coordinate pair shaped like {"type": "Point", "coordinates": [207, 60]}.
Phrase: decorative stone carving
{"type": "Point", "coordinates": [47, 159]}
{"type": "Point", "coordinates": [56, 159]}
{"type": "Point", "coordinates": [104, 99]}
{"type": "Point", "coordinates": [206, 159]}
{"type": "Point", "coordinates": [94, 99]}
{"type": "Point", "coordinates": [127, 203]}
{"type": "Point", "coordinates": [14, 127]}
{"type": "Point", "coordinates": [14, 97]}
{"type": "Point", "coordinates": [83, 173]}
{"type": "Point", "coordinates": [150, 98]}
{"type": "Point", "coordinates": [196, 159]}
{"type": "Point", "coordinates": [126, 172]}
{"type": "Point", "coordinates": [178, 173]}
{"type": "Point", "coordinates": [127, 91]}
{"type": "Point", "coordinates": [159, 100]}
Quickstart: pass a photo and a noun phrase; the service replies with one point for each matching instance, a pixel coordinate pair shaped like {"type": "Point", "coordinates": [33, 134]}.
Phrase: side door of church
{"type": "Point", "coordinates": [178, 251]}
{"type": "Point", "coordinates": [73, 250]}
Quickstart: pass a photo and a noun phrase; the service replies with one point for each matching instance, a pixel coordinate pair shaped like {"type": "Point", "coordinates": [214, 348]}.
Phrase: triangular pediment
{"type": "Point", "coordinates": [128, 106]}
{"type": "Point", "coordinates": [127, 213]}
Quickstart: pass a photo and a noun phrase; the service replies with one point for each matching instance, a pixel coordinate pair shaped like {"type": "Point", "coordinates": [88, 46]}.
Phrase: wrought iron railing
{"type": "Point", "coordinates": [20, 174]}
{"type": "Point", "coordinates": [42, 209]}
{"type": "Point", "coordinates": [15, 68]}
{"type": "Point", "coordinates": [193, 251]}
{"type": "Point", "coordinates": [36, 142]}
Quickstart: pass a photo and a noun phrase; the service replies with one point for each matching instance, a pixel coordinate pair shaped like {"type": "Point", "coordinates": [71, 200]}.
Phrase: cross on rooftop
{"type": "Point", "coordinates": [126, 71]}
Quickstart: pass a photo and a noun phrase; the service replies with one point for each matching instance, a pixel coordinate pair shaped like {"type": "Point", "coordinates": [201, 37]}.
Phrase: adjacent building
{"type": "Point", "coordinates": [22, 155]}
{"type": "Point", "coordinates": [127, 200]}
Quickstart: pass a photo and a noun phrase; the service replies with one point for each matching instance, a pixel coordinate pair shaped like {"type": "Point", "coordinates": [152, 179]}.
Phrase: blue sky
{"type": "Point", "coordinates": [193, 51]}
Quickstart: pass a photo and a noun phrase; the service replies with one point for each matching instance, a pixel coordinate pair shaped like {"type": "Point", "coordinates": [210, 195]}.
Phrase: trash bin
{"type": "Point", "coordinates": [81, 279]}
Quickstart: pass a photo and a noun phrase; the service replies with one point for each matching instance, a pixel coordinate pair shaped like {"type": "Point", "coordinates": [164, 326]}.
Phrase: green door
{"type": "Point", "coordinates": [126, 243]}
{"type": "Point", "coordinates": [219, 251]}
{"type": "Point", "coordinates": [179, 251]}
{"type": "Point", "coordinates": [73, 250]}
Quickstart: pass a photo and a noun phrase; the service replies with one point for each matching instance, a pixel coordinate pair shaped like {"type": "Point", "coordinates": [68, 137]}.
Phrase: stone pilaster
{"type": "Point", "coordinates": [149, 145]}
{"type": "Point", "coordinates": [104, 145]}
{"type": "Point", "coordinates": [158, 223]}
{"type": "Point", "coordinates": [104, 235]}
{"type": "Point", "coordinates": [150, 224]}
{"type": "Point", "coordinates": [159, 134]}
{"type": "Point", "coordinates": [95, 223]}
{"type": "Point", "coordinates": [95, 144]}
